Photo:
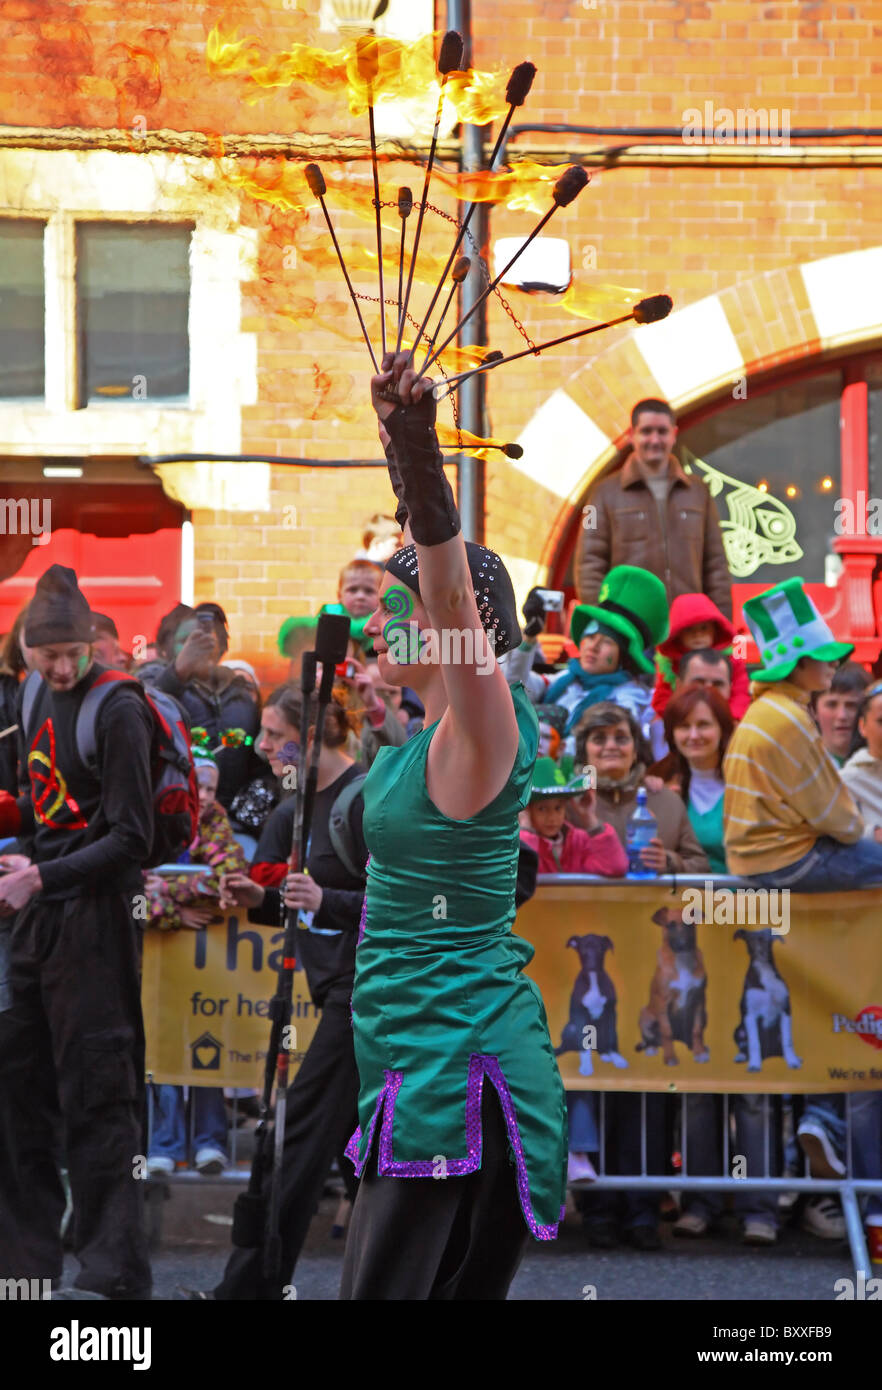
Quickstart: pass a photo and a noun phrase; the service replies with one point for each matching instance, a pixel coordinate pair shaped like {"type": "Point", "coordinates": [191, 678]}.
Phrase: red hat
{"type": "Point", "coordinates": [687, 611]}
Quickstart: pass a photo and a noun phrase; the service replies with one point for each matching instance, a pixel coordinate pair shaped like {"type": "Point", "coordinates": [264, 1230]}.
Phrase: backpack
{"type": "Point", "coordinates": [339, 829]}
{"type": "Point", "coordinates": [173, 775]}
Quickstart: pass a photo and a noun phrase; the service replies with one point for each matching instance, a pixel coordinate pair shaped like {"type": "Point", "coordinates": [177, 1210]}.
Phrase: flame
{"type": "Point", "coordinates": [362, 258]}
{"type": "Point", "coordinates": [525, 187]}
{"type": "Point", "coordinates": [471, 444]}
{"type": "Point", "coordinates": [460, 359]}
{"type": "Point", "coordinates": [598, 301]}
{"type": "Point", "coordinates": [396, 71]}
{"type": "Point", "coordinates": [477, 97]}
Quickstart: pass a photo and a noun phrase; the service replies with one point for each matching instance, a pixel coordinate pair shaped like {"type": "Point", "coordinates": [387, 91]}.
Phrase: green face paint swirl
{"type": "Point", "coordinates": [399, 633]}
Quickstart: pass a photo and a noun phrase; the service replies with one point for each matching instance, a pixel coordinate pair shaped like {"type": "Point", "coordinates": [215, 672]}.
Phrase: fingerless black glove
{"type": "Point", "coordinates": [397, 486]}
{"type": "Point", "coordinates": [534, 612]}
{"type": "Point", "coordinates": [423, 492]}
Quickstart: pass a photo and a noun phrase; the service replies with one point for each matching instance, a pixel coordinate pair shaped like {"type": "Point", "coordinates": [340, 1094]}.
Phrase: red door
{"type": "Point", "coordinates": [123, 541]}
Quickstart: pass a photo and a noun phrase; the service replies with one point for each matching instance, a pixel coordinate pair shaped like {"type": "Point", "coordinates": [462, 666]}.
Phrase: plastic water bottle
{"type": "Point", "coordinates": [641, 829]}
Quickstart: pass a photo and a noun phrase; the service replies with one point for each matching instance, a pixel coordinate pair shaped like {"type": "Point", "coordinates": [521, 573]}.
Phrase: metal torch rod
{"type": "Point", "coordinates": [448, 61]}
{"type": "Point", "coordinates": [466, 221]}
{"type": "Point", "coordinates": [454, 382]}
{"type": "Point", "coordinates": [315, 179]}
{"type": "Point", "coordinates": [379, 229]}
{"type": "Point", "coordinates": [485, 293]}
{"type": "Point", "coordinates": [368, 66]}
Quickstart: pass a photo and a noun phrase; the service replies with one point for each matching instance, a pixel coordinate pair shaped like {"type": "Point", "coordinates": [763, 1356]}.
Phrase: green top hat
{"type": "Point", "coordinates": [634, 603]}
{"type": "Point", "coordinates": [786, 625]}
{"type": "Point", "coordinates": [548, 780]}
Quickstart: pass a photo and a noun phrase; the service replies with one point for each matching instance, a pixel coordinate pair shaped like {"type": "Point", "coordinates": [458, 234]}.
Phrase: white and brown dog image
{"type": "Point", "coordinates": [676, 1010]}
{"type": "Point", "coordinates": [766, 1027]}
{"type": "Point", "coordinates": [592, 1006]}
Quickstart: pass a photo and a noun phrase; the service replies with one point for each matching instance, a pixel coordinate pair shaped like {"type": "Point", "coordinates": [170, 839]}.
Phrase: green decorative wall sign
{"type": "Point", "coordinates": [759, 529]}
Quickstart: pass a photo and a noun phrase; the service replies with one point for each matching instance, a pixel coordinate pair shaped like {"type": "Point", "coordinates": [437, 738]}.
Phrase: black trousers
{"type": "Point", "coordinates": [71, 1086]}
{"type": "Point", "coordinates": [322, 1114]}
{"type": "Point", "coordinates": [448, 1239]}
{"type": "Point", "coordinates": [623, 1156]}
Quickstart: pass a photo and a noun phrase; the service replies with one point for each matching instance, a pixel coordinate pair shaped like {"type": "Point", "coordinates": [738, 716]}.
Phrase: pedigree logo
{"type": "Point", "coordinates": [867, 1025]}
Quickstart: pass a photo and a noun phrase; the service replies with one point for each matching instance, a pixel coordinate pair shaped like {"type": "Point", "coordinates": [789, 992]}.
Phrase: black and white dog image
{"type": "Point", "coordinates": [592, 1006]}
{"type": "Point", "coordinates": [766, 1028]}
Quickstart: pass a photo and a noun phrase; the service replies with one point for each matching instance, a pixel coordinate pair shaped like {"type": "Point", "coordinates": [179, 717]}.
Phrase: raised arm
{"type": "Point", "coordinates": [476, 742]}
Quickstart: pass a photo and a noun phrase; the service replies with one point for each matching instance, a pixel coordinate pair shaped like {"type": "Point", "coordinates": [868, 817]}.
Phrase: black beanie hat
{"type": "Point", "coordinates": [58, 612]}
{"type": "Point", "coordinates": [494, 593]}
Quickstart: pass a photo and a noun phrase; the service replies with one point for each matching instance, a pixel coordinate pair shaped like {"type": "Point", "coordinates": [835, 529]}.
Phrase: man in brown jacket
{"type": "Point", "coordinates": [652, 514]}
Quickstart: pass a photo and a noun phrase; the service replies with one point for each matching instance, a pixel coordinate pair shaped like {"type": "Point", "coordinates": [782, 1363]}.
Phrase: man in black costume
{"type": "Point", "coordinates": [72, 1036]}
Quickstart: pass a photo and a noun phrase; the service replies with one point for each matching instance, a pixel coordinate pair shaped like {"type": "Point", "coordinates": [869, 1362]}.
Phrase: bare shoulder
{"type": "Point", "coordinates": [464, 775]}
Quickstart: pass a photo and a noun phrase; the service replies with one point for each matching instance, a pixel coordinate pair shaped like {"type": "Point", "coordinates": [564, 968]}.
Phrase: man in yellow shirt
{"type": "Point", "coordinates": [790, 821]}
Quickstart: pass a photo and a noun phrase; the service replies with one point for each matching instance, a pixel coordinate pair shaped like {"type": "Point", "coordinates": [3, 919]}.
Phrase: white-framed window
{"type": "Point", "coordinates": [133, 285]}
{"type": "Point", "coordinates": [22, 309]}
{"type": "Point", "coordinates": [132, 311]}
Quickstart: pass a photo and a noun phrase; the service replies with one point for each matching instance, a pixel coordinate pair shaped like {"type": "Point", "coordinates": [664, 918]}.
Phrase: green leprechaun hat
{"type": "Point", "coordinates": [634, 604]}
{"type": "Point", "coordinates": [292, 625]}
{"type": "Point", "coordinates": [548, 780]}
{"type": "Point", "coordinates": [786, 625]}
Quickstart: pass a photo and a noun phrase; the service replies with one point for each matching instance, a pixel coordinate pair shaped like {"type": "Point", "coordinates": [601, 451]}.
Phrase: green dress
{"type": "Point", "coordinates": [440, 1002]}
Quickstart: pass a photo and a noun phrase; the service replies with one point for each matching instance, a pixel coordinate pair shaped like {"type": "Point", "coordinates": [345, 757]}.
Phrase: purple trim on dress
{"type": "Point", "coordinates": [362, 923]}
{"type": "Point", "coordinates": [387, 1166]}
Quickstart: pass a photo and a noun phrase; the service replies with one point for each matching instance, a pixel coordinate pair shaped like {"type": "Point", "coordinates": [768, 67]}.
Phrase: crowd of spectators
{"type": "Point", "coordinates": [774, 775]}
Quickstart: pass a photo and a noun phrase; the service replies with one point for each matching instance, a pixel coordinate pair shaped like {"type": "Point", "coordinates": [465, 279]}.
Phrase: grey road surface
{"type": "Point", "coordinates": [195, 1228]}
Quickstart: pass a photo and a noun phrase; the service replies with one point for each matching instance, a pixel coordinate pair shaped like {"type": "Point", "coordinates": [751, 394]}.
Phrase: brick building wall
{"type": "Point", "coordinates": [739, 233]}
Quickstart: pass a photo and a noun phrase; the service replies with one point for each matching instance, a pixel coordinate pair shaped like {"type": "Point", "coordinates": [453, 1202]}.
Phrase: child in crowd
{"type": "Point", "coordinates": [696, 624]}
{"type": "Point", "coordinates": [358, 589]}
{"type": "Point", "coordinates": [565, 849]}
{"type": "Point", "coordinates": [186, 901]}
{"type": "Point", "coordinates": [613, 637]}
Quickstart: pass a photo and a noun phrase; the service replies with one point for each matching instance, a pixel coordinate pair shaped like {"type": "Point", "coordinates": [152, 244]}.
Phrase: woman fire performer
{"type": "Point", "coordinates": [462, 1144]}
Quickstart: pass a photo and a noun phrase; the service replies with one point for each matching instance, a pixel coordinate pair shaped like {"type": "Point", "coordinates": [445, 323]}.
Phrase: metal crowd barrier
{"type": "Point", "coordinates": [848, 1188]}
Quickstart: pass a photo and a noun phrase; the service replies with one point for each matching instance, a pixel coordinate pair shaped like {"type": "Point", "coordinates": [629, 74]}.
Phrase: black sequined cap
{"type": "Point", "coordinates": [494, 593]}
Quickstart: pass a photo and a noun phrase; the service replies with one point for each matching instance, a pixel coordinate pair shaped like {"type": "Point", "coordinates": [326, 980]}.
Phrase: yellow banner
{"type": "Point", "coordinates": [778, 995]}
{"type": "Point", "coordinates": [206, 996]}
{"type": "Point", "coordinates": [703, 990]}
